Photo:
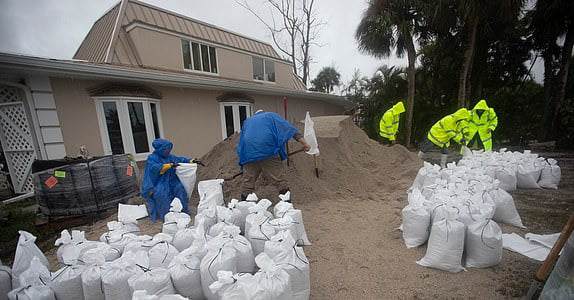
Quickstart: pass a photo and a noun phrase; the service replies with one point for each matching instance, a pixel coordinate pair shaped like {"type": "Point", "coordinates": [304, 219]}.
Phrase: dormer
{"type": "Point", "coordinates": [138, 34]}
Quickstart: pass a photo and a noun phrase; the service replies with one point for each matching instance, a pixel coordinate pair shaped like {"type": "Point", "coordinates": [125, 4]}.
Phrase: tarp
{"type": "Point", "coordinates": [536, 247]}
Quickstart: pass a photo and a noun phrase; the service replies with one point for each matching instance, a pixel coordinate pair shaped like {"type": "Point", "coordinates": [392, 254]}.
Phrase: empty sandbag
{"type": "Point", "coordinates": [26, 250]}
{"type": "Point", "coordinates": [186, 172]}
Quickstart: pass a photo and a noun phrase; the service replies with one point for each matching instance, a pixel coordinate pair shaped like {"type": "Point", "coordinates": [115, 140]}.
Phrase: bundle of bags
{"type": "Point", "coordinates": [239, 251]}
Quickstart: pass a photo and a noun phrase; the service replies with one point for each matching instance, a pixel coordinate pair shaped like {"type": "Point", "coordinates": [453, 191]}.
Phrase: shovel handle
{"type": "Point", "coordinates": [296, 151]}
{"type": "Point", "coordinates": [544, 270]}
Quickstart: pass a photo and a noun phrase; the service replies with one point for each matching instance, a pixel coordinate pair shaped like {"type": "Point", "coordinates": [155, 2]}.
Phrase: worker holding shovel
{"type": "Point", "coordinates": [261, 149]}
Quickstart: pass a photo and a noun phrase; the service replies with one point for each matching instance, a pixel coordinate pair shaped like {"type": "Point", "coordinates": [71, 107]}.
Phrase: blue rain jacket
{"type": "Point", "coordinates": [264, 135]}
{"type": "Point", "coordinates": [160, 189]}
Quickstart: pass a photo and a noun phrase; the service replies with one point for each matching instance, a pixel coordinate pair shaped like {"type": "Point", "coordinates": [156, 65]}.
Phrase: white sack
{"type": "Point", "coordinates": [187, 176]}
{"type": "Point", "coordinates": [243, 207]}
{"type": "Point", "coordinates": [527, 178]}
{"type": "Point", "coordinates": [260, 208]}
{"type": "Point", "coordinates": [36, 274]}
{"type": "Point", "coordinates": [230, 214]}
{"type": "Point", "coordinates": [115, 277]}
{"type": "Point", "coordinates": [155, 281]}
{"type": "Point", "coordinates": [416, 221]}
{"type": "Point", "coordinates": [445, 245]}
{"type": "Point", "coordinates": [175, 216]}
{"type": "Point", "coordinates": [292, 259]}
{"type": "Point", "coordinates": [72, 247]}
{"type": "Point", "coordinates": [505, 211]}
{"type": "Point", "coordinates": [507, 178]}
{"type": "Point", "coordinates": [67, 283]}
{"type": "Point", "coordinates": [207, 218]}
{"type": "Point", "coordinates": [231, 286]}
{"type": "Point", "coordinates": [109, 252]}
{"type": "Point", "coordinates": [283, 209]}
{"type": "Point", "coordinates": [259, 231]}
{"type": "Point", "coordinates": [483, 244]}
{"type": "Point", "coordinates": [127, 212]}
{"type": "Point", "coordinates": [550, 175]}
{"type": "Point", "coordinates": [34, 292]}
{"type": "Point", "coordinates": [546, 240]}
{"type": "Point", "coordinates": [143, 295]}
{"type": "Point", "coordinates": [218, 258]}
{"type": "Point", "coordinates": [245, 257]}
{"type": "Point", "coordinates": [139, 243]}
{"type": "Point", "coordinates": [25, 251]}
{"type": "Point", "coordinates": [161, 254]}
{"type": "Point", "coordinates": [185, 272]}
{"type": "Point", "coordinates": [272, 281]}
{"type": "Point", "coordinates": [309, 135]}
{"type": "Point", "coordinates": [210, 193]}
{"type": "Point", "coordinates": [516, 243]}
{"type": "Point", "coordinates": [92, 277]}
{"type": "Point", "coordinates": [185, 237]}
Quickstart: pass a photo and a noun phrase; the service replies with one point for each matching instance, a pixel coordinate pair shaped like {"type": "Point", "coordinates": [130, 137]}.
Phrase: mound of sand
{"type": "Point", "coordinates": [349, 162]}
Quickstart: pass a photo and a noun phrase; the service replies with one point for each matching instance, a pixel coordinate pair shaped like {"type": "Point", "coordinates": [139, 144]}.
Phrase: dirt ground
{"type": "Point", "coordinates": [352, 213]}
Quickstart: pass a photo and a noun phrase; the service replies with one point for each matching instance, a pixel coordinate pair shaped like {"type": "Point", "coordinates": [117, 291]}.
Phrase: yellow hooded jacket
{"type": "Point", "coordinates": [483, 124]}
{"type": "Point", "coordinates": [453, 126]}
{"type": "Point", "coordinates": [389, 124]}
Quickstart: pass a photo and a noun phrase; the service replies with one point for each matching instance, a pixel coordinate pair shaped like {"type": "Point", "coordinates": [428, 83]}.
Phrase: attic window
{"type": "Point", "coordinates": [263, 69]}
{"type": "Point", "coordinates": [199, 57]}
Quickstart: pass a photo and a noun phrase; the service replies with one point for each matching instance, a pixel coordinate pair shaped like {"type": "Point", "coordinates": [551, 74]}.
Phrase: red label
{"type": "Point", "coordinates": [51, 182]}
{"type": "Point", "coordinates": [130, 171]}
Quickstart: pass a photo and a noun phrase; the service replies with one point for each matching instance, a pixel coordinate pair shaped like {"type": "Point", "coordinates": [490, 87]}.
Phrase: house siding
{"type": "Point", "coordinates": [191, 118]}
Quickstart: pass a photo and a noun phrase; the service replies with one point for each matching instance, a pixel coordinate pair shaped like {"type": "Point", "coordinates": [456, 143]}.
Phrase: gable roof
{"type": "Point", "coordinates": [99, 44]}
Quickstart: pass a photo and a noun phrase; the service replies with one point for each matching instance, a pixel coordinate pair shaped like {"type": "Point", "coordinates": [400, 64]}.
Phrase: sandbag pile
{"type": "Point", "coordinates": [456, 209]}
{"type": "Point", "coordinates": [210, 260]}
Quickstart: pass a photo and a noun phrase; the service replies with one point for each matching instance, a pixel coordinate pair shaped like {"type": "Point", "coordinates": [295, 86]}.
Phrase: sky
{"type": "Point", "coordinates": [55, 28]}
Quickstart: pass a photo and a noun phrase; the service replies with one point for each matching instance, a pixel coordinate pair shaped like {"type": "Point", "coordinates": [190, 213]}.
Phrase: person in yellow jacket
{"type": "Point", "coordinates": [452, 127]}
{"type": "Point", "coordinates": [389, 124]}
{"type": "Point", "coordinates": [483, 121]}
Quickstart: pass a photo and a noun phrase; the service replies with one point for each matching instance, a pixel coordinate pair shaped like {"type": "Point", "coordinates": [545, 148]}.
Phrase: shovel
{"type": "Point", "coordinates": [545, 269]}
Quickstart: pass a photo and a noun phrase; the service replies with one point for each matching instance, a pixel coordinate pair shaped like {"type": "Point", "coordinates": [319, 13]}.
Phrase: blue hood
{"type": "Point", "coordinates": [160, 145]}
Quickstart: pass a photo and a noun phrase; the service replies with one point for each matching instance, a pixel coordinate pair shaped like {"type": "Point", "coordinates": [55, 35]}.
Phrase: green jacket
{"type": "Point", "coordinates": [389, 124]}
{"type": "Point", "coordinates": [453, 126]}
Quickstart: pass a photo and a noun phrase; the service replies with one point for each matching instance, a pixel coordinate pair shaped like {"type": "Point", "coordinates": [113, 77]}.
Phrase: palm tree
{"type": "Point", "coordinates": [388, 25]}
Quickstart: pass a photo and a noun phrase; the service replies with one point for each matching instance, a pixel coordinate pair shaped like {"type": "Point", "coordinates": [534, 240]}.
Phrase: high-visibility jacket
{"type": "Point", "coordinates": [483, 124]}
{"type": "Point", "coordinates": [389, 124]}
{"type": "Point", "coordinates": [452, 127]}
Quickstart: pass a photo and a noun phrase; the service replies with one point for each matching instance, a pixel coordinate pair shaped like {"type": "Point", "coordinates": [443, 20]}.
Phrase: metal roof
{"type": "Point", "coordinates": [89, 70]}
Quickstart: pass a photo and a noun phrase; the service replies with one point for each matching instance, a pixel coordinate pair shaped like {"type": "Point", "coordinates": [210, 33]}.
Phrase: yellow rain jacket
{"type": "Point", "coordinates": [389, 124]}
{"type": "Point", "coordinates": [453, 126]}
{"type": "Point", "coordinates": [483, 124]}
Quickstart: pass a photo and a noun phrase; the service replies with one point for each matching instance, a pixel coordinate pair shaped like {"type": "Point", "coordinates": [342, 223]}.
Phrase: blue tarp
{"type": "Point", "coordinates": [264, 135]}
{"type": "Point", "coordinates": [160, 189]}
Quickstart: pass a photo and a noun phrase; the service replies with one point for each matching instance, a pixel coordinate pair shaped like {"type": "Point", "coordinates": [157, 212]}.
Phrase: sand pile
{"type": "Point", "coordinates": [350, 163]}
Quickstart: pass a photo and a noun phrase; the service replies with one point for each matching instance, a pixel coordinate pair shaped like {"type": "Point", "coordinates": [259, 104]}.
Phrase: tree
{"type": "Point", "coordinates": [389, 25]}
{"type": "Point", "coordinates": [327, 79]}
{"type": "Point", "coordinates": [294, 27]}
{"type": "Point", "coordinates": [553, 20]}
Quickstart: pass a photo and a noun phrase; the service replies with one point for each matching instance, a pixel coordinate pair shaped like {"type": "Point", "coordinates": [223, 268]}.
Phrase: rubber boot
{"type": "Point", "coordinates": [443, 160]}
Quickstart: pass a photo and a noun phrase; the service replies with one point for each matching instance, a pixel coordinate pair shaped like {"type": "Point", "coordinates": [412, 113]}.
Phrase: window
{"type": "Point", "coordinates": [263, 69]}
{"type": "Point", "coordinates": [199, 57]}
{"type": "Point", "coordinates": [233, 114]}
{"type": "Point", "coordinates": [128, 125]}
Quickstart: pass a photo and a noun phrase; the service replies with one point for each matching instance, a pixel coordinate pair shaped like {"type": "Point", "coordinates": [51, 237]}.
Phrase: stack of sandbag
{"type": "Point", "coordinates": [284, 208]}
{"type": "Point", "coordinates": [258, 229]}
{"type": "Point", "coordinates": [74, 245]}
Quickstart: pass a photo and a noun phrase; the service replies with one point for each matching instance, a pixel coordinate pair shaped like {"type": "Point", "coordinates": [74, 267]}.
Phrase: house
{"type": "Point", "coordinates": [143, 72]}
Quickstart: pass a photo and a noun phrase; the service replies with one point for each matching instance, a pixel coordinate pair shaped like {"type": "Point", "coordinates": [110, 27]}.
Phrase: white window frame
{"type": "Point", "coordinates": [193, 70]}
{"type": "Point", "coordinates": [264, 70]}
{"type": "Point", "coordinates": [125, 124]}
{"type": "Point", "coordinates": [236, 121]}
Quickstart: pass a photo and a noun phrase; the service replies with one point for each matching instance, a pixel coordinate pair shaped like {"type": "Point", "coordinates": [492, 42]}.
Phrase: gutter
{"type": "Point", "coordinates": [80, 69]}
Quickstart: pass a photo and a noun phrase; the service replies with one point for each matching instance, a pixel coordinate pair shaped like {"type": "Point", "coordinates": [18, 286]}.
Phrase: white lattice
{"type": "Point", "coordinates": [16, 138]}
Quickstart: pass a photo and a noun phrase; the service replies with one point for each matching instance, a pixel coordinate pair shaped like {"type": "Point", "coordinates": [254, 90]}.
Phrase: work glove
{"type": "Point", "coordinates": [197, 161]}
{"type": "Point", "coordinates": [164, 168]}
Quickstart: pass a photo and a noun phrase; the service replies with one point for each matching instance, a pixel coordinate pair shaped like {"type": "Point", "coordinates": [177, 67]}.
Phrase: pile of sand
{"type": "Point", "coordinates": [349, 163]}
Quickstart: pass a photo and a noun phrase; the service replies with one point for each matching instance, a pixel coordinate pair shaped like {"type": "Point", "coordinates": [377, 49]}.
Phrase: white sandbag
{"type": "Point", "coordinates": [231, 286]}
{"type": "Point", "coordinates": [139, 243]}
{"type": "Point", "coordinates": [245, 257]}
{"type": "Point", "coordinates": [284, 223]}
{"type": "Point", "coordinates": [72, 247]}
{"type": "Point", "coordinates": [505, 211]}
{"type": "Point", "coordinates": [550, 175]}
{"type": "Point", "coordinates": [128, 213]}
{"type": "Point", "coordinates": [527, 178]}
{"type": "Point", "coordinates": [507, 178]}
{"type": "Point", "coordinates": [283, 209]}
{"type": "Point", "coordinates": [5, 281]}
{"type": "Point", "coordinates": [207, 218]}
{"type": "Point", "coordinates": [272, 281]}
{"type": "Point", "coordinates": [109, 252]}
{"type": "Point", "coordinates": [230, 214]}
{"type": "Point", "coordinates": [92, 277]}
{"type": "Point", "coordinates": [32, 292]}
{"type": "Point", "coordinates": [174, 216]}
{"type": "Point", "coordinates": [156, 281]}
{"type": "Point", "coordinates": [67, 283]}
{"type": "Point", "coordinates": [36, 274]}
{"type": "Point", "coordinates": [186, 172]}
{"type": "Point", "coordinates": [416, 222]}
{"type": "Point", "coordinates": [218, 258]}
{"type": "Point", "coordinates": [483, 244]}
{"type": "Point", "coordinates": [115, 276]}
{"type": "Point", "coordinates": [210, 193]}
{"type": "Point", "coordinates": [185, 272]}
{"type": "Point", "coordinates": [143, 295]}
{"type": "Point", "coordinates": [285, 253]}
{"type": "Point", "coordinates": [445, 245]}
{"type": "Point", "coordinates": [259, 231]}
{"type": "Point", "coordinates": [261, 208]}
{"type": "Point", "coordinates": [25, 251]}
{"type": "Point", "coordinates": [243, 207]}
{"type": "Point", "coordinates": [161, 254]}
{"type": "Point", "coordinates": [185, 237]}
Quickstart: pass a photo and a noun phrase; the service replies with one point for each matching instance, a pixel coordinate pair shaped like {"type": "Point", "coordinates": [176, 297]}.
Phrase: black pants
{"type": "Point", "coordinates": [428, 146]}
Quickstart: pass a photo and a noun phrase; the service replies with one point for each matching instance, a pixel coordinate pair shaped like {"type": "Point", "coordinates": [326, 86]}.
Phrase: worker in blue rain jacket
{"type": "Point", "coordinates": [160, 182]}
{"type": "Point", "coordinates": [261, 149]}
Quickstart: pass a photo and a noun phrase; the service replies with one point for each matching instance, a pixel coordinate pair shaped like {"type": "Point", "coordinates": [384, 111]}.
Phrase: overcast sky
{"type": "Point", "coordinates": [55, 28]}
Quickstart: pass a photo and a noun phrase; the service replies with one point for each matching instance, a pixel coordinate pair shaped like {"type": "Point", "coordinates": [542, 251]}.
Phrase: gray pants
{"type": "Point", "coordinates": [272, 168]}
